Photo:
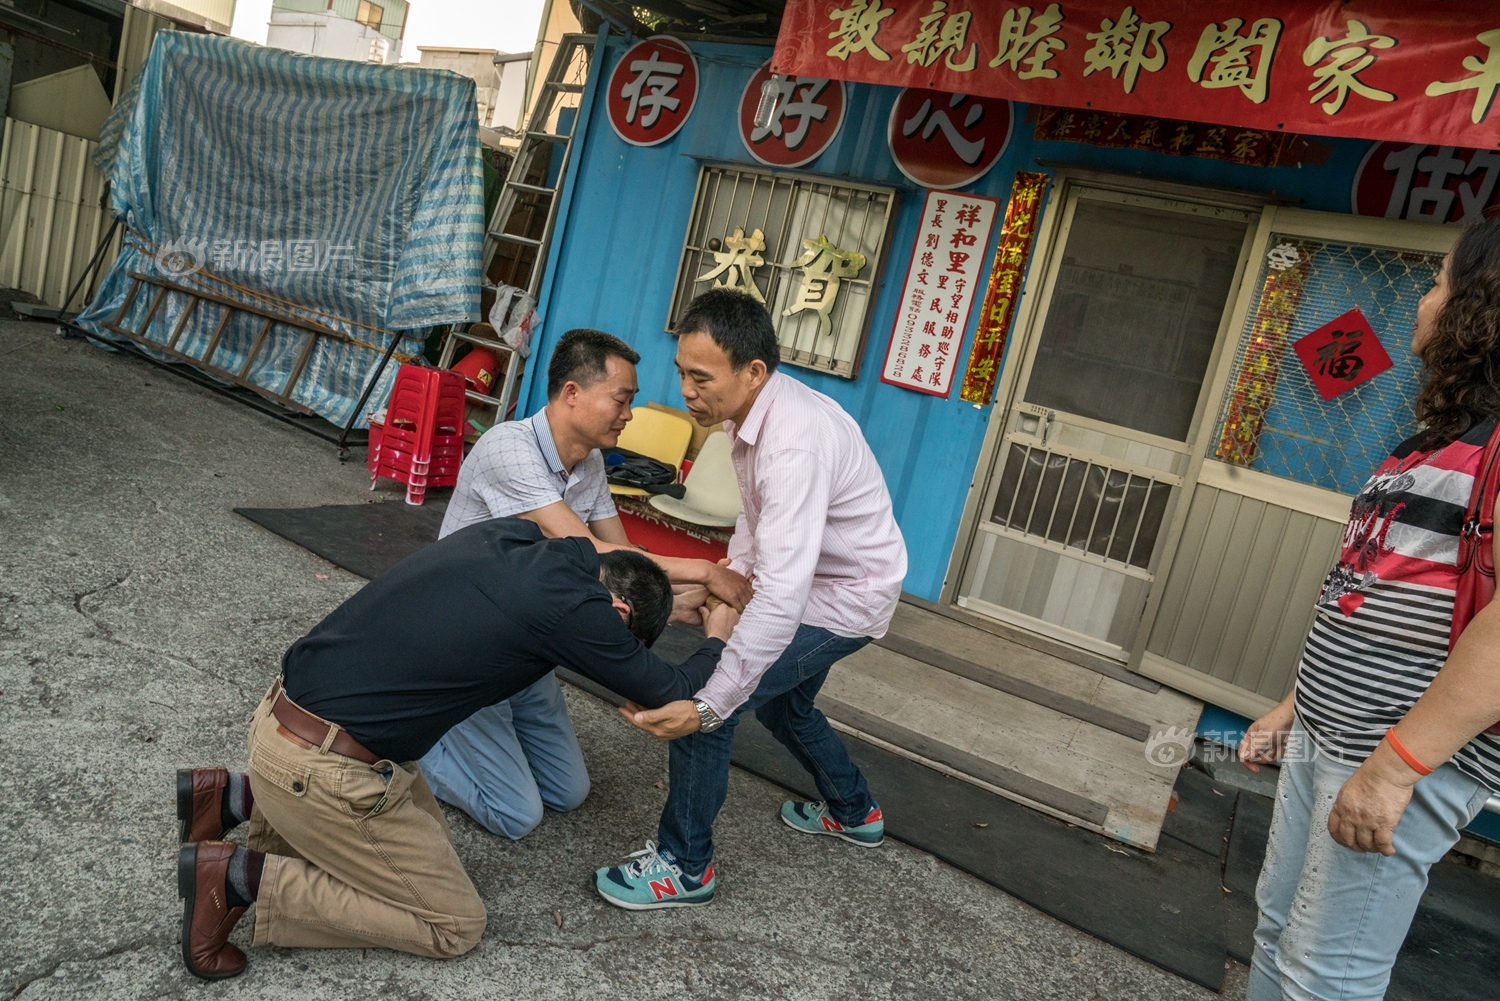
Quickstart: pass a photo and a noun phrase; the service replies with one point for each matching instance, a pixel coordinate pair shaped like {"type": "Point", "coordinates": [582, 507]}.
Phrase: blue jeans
{"type": "Point", "coordinates": [1332, 920]}
{"type": "Point", "coordinates": [783, 702]}
{"type": "Point", "coordinates": [508, 760]}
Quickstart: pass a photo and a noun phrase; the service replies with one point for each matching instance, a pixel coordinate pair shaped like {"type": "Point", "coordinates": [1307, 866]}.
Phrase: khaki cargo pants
{"type": "Point", "coordinates": [356, 855]}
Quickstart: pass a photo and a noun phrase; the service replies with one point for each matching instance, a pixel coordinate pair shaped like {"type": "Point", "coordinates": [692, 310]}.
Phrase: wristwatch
{"type": "Point", "coordinates": [708, 719]}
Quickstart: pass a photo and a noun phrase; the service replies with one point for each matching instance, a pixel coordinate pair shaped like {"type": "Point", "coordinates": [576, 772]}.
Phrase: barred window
{"type": "Point", "coordinates": [809, 248]}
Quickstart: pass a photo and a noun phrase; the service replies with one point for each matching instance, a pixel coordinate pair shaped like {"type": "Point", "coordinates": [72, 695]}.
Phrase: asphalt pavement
{"type": "Point", "coordinates": [140, 622]}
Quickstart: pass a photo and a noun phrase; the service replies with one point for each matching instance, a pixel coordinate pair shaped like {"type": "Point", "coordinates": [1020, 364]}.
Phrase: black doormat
{"type": "Point", "coordinates": [364, 539]}
{"type": "Point", "coordinates": [1169, 908]}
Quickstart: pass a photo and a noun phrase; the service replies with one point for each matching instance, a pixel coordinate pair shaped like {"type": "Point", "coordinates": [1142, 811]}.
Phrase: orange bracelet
{"type": "Point", "coordinates": [1411, 759]}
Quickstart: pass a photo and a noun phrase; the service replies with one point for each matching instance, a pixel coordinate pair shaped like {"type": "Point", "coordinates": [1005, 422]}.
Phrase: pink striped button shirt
{"type": "Point", "coordinates": [815, 529]}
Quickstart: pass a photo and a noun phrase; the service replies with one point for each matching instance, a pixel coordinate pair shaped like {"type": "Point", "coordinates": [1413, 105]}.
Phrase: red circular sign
{"type": "Point", "coordinates": [809, 113]}
{"type": "Point", "coordinates": [1426, 183]}
{"type": "Point", "coordinates": [947, 140]}
{"type": "Point", "coordinates": [652, 91]}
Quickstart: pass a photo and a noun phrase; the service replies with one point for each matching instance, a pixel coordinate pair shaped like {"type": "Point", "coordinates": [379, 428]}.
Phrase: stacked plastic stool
{"type": "Point", "coordinates": [421, 441]}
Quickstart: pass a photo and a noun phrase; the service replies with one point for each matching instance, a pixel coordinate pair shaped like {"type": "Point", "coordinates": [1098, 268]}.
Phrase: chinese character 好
{"type": "Point", "coordinates": [804, 109]}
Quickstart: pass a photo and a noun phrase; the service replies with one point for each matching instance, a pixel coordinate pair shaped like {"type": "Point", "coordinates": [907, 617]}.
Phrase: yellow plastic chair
{"type": "Point", "coordinates": [662, 436]}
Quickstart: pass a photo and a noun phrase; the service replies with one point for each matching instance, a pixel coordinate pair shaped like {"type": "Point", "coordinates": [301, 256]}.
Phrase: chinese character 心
{"type": "Point", "coordinates": [968, 150]}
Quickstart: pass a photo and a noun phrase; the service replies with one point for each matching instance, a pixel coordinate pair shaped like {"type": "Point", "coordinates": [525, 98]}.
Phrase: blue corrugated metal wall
{"type": "Point", "coordinates": [619, 249]}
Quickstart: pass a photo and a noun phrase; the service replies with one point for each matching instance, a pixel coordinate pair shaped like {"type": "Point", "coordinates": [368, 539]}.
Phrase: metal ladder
{"type": "Point", "coordinates": [520, 232]}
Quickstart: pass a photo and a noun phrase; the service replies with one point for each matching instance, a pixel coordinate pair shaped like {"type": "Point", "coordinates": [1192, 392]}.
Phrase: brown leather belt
{"type": "Point", "coordinates": [311, 731]}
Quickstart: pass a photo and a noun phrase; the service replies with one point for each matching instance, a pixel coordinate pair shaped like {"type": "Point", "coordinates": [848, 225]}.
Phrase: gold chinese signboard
{"type": "Point", "coordinates": [1011, 254]}
{"type": "Point", "coordinates": [1409, 70]}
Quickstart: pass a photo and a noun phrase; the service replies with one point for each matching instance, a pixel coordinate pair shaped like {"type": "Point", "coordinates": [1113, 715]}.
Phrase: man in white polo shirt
{"type": "Point", "coordinates": [504, 763]}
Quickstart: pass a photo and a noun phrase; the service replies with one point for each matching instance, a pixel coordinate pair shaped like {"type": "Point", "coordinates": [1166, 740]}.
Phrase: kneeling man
{"type": "Point", "coordinates": [348, 847]}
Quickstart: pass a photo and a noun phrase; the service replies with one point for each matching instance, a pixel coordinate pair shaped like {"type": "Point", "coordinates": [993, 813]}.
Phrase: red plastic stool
{"type": "Point", "coordinates": [421, 441]}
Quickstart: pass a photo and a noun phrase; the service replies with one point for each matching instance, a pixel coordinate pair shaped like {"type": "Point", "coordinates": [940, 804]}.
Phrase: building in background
{"type": "Point", "coordinates": [510, 104]}
{"type": "Point", "coordinates": [477, 64]}
{"type": "Point", "coordinates": [361, 30]}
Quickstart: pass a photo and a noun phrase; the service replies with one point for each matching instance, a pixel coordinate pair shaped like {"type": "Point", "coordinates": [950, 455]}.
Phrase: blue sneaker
{"type": "Point", "coordinates": [654, 880]}
{"type": "Point", "coordinates": [814, 818]}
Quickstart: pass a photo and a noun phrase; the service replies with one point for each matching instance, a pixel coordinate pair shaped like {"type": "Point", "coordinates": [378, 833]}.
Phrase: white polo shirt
{"type": "Point", "coordinates": [515, 468]}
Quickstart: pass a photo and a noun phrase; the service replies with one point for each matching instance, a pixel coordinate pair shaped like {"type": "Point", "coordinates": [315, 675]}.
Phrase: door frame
{"type": "Point", "coordinates": [1030, 316]}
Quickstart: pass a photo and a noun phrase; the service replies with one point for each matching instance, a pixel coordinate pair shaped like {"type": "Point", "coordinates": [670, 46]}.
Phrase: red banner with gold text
{"type": "Point", "coordinates": [1410, 70]}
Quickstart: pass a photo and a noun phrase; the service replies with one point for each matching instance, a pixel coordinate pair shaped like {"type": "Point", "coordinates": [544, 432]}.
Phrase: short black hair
{"type": "Point", "coordinates": [581, 356]}
{"type": "Point", "coordinates": [738, 324]}
{"type": "Point", "coordinates": [642, 585]}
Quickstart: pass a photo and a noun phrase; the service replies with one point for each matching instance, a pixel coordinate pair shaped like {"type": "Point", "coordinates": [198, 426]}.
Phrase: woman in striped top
{"type": "Point", "coordinates": [1382, 741]}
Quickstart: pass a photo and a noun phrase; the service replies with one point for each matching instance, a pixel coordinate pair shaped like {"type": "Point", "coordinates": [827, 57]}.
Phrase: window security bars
{"type": "Point", "coordinates": [789, 267]}
{"type": "Point", "coordinates": [1111, 514]}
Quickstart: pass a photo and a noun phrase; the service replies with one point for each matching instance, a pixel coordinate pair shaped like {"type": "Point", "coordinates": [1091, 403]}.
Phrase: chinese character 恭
{"type": "Point", "coordinates": [1351, 56]}
{"type": "Point", "coordinates": [805, 109]}
{"type": "Point", "coordinates": [1130, 44]}
{"type": "Point", "coordinates": [1230, 53]}
{"type": "Point", "coordinates": [942, 36]}
{"type": "Point", "coordinates": [654, 81]}
{"type": "Point", "coordinates": [1341, 360]}
{"type": "Point", "coordinates": [969, 151]}
{"type": "Point", "coordinates": [857, 28]}
{"type": "Point", "coordinates": [1482, 85]}
{"type": "Point", "coordinates": [1034, 47]}
{"type": "Point", "coordinates": [737, 263]}
{"type": "Point", "coordinates": [823, 266]}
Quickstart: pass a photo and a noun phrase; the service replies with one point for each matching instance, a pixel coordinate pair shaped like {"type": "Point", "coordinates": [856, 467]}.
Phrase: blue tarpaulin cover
{"type": "Point", "coordinates": [345, 193]}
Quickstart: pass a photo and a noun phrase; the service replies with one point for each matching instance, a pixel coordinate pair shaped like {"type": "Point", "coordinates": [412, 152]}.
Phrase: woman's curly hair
{"type": "Point", "coordinates": [1461, 360]}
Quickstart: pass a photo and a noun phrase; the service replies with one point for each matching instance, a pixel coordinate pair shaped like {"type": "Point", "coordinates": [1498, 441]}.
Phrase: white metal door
{"type": "Point", "coordinates": [1099, 432]}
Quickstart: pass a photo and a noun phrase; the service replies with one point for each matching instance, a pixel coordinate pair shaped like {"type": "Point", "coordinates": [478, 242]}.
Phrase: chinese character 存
{"type": "Point", "coordinates": [858, 25]}
{"type": "Point", "coordinates": [1339, 359]}
{"type": "Point", "coordinates": [803, 108]}
{"type": "Point", "coordinates": [654, 81]}
{"type": "Point", "coordinates": [1129, 44]}
{"type": "Point", "coordinates": [1408, 201]}
{"type": "Point", "coordinates": [1230, 53]}
{"type": "Point", "coordinates": [737, 263]}
{"type": "Point", "coordinates": [1031, 43]}
{"type": "Point", "coordinates": [1351, 56]}
{"type": "Point", "coordinates": [942, 36]}
{"type": "Point", "coordinates": [930, 121]}
{"type": "Point", "coordinates": [1482, 85]}
{"type": "Point", "coordinates": [823, 267]}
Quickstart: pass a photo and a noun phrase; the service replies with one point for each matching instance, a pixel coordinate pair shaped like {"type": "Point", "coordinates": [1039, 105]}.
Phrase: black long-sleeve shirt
{"type": "Point", "coordinates": [467, 622]}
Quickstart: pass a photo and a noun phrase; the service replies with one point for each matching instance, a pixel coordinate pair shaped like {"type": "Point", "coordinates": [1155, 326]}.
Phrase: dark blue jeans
{"type": "Point", "coordinates": [783, 702]}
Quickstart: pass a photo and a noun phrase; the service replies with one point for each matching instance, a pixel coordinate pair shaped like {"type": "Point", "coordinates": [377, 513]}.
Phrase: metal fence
{"type": "Point", "coordinates": [1273, 418]}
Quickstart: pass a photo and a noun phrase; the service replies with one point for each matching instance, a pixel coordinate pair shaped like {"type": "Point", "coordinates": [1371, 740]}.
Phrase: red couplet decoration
{"type": "Point", "coordinates": [947, 141]}
{"type": "Point", "coordinates": [1426, 183]}
{"type": "Point", "coordinates": [652, 91]}
{"type": "Point", "coordinates": [1342, 354]}
{"type": "Point", "coordinates": [809, 113]}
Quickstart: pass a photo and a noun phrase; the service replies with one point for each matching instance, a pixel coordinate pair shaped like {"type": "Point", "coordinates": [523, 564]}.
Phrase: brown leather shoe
{"type": "Point", "coordinates": [200, 795]}
{"type": "Point", "coordinates": [207, 918]}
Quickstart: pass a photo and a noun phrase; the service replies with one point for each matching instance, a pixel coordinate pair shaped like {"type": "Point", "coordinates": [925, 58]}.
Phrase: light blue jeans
{"type": "Point", "coordinates": [1332, 920]}
{"type": "Point", "coordinates": [507, 761]}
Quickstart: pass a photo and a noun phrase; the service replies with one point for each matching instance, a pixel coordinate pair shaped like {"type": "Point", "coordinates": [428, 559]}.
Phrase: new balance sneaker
{"type": "Point", "coordinates": [653, 880]}
{"type": "Point", "coordinates": [814, 818]}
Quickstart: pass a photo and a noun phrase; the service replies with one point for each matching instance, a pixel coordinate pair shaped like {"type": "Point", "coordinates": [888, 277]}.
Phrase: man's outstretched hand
{"type": "Point", "coordinates": [728, 586]}
{"type": "Point", "coordinates": [673, 720]}
{"type": "Point", "coordinates": [687, 604]}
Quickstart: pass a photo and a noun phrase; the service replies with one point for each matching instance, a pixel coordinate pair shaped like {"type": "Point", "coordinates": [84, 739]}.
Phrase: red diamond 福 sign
{"type": "Point", "coordinates": [1342, 354]}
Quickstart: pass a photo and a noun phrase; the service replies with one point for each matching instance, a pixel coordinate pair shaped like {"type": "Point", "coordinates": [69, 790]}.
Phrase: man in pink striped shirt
{"type": "Point", "coordinates": [817, 534]}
